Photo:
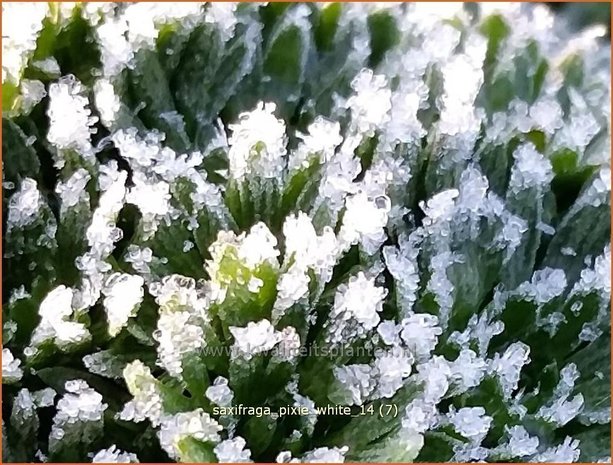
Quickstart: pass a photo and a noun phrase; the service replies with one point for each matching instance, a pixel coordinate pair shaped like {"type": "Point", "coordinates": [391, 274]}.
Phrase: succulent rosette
{"type": "Point", "coordinates": [304, 233]}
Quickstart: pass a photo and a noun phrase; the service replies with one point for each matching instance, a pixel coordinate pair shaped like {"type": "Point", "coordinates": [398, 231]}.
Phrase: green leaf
{"type": "Point", "coordinates": [193, 451]}
{"type": "Point", "coordinates": [151, 93]}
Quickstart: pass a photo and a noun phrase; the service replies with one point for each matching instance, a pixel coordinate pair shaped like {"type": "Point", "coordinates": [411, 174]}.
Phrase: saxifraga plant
{"type": "Point", "coordinates": [227, 226]}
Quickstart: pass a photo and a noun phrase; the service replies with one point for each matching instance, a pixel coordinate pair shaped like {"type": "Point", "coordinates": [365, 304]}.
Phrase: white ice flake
{"type": "Point", "coordinates": [152, 199]}
{"type": "Point", "coordinates": [55, 312]}
{"type": "Point", "coordinates": [521, 444]}
{"type": "Point", "coordinates": [325, 455]}
{"type": "Point", "coordinates": [435, 375]}
{"type": "Point", "coordinates": [463, 77]}
{"type": "Point", "coordinates": [470, 422]}
{"type": "Point", "coordinates": [420, 333]}
{"type": "Point", "coordinates": [305, 250]}
{"type": "Point", "coordinates": [321, 140]}
{"type": "Point", "coordinates": [147, 401]}
{"type": "Point", "coordinates": [560, 410]}
{"type": "Point", "coordinates": [21, 24]}
{"type": "Point", "coordinates": [597, 278]}
{"type": "Point", "coordinates": [107, 101]}
{"type": "Point", "coordinates": [25, 205]}
{"type": "Point", "coordinates": [371, 104]}
{"type": "Point", "coordinates": [567, 452]}
{"type": "Point", "coordinates": [79, 414]}
{"type": "Point", "coordinates": [467, 371]}
{"type": "Point", "coordinates": [123, 295]}
{"type": "Point", "coordinates": [363, 222]}
{"type": "Point", "coordinates": [74, 190]}
{"type": "Point", "coordinates": [220, 393]}
{"type": "Point", "coordinates": [358, 381]}
{"type": "Point", "coordinates": [545, 285]}
{"type": "Point", "coordinates": [223, 15]}
{"type": "Point", "coordinates": [114, 455]}
{"type": "Point", "coordinates": [32, 92]}
{"type": "Point", "coordinates": [181, 321]}
{"type": "Point", "coordinates": [508, 366]}
{"type": "Point", "coordinates": [70, 119]}
{"type": "Point", "coordinates": [401, 262]}
{"type": "Point", "coordinates": [196, 424]}
{"type": "Point", "coordinates": [260, 337]}
{"type": "Point", "coordinates": [10, 367]}
{"type": "Point", "coordinates": [391, 368]}
{"type": "Point", "coordinates": [232, 451]}
{"type": "Point", "coordinates": [531, 169]}
{"type": "Point", "coordinates": [356, 309]}
{"type": "Point", "coordinates": [257, 144]}
{"type": "Point", "coordinates": [104, 363]}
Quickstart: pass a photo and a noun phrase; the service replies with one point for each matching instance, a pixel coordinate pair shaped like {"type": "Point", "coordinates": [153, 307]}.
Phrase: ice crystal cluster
{"type": "Point", "coordinates": [304, 233]}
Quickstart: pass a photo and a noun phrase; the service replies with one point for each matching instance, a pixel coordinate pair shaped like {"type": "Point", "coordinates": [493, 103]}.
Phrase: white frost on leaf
{"type": "Point", "coordinates": [21, 24]}
{"type": "Point", "coordinates": [232, 451]}
{"type": "Point", "coordinates": [70, 119]}
{"type": "Point", "coordinates": [114, 455]}
{"type": "Point", "coordinates": [24, 206]}
{"type": "Point", "coordinates": [79, 415]}
{"type": "Point", "coordinates": [196, 424]}
{"type": "Point", "coordinates": [567, 452]}
{"type": "Point", "coordinates": [147, 401]}
{"type": "Point", "coordinates": [356, 309]}
{"type": "Point", "coordinates": [420, 333]}
{"type": "Point", "coordinates": [521, 443]}
{"type": "Point", "coordinates": [220, 393]}
{"type": "Point", "coordinates": [123, 295]}
{"type": "Point", "coordinates": [261, 336]}
{"type": "Point", "coordinates": [56, 313]}
{"type": "Point", "coordinates": [363, 222]}
{"type": "Point", "coordinates": [507, 367]}
{"type": "Point", "coordinates": [470, 422]}
{"type": "Point", "coordinates": [257, 144]}
{"type": "Point", "coordinates": [11, 372]}
{"type": "Point", "coordinates": [371, 103]}
{"type": "Point", "coordinates": [531, 169]}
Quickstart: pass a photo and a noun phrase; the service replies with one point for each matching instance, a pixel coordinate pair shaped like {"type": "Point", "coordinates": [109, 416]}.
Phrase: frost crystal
{"type": "Point", "coordinates": [325, 455]}
{"type": "Point", "coordinates": [56, 311]}
{"type": "Point", "coordinates": [114, 455]}
{"type": "Point", "coordinates": [73, 190]}
{"type": "Point", "coordinates": [11, 372]}
{"type": "Point", "coordinates": [147, 402]}
{"type": "Point", "coordinates": [562, 410]}
{"type": "Point", "coordinates": [254, 219]}
{"type": "Point", "coordinates": [364, 221]}
{"type": "Point", "coordinates": [471, 422]}
{"type": "Point", "coordinates": [356, 309]}
{"type": "Point", "coordinates": [25, 205]}
{"type": "Point", "coordinates": [196, 424]}
{"type": "Point", "coordinates": [70, 119]}
{"type": "Point", "coordinates": [531, 169]}
{"type": "Point", "coordinates": [371, 103]}
{"type": "Point", "coordinates": [257, 144]}
{"type": "Point", "coordinates": [420, 332]}
{"type": "Point", "coordinates": [260, 337]}
{"type": "Point", "coordinates": [545, 285]}
{"type": "Point", "coordinates": [521, 444]}
{"type": "Point", "coordinates": [232, 451]}
{"type": "Point", "coordinates": [220, 393]}
{"type": "Point", "coordinates": [508, 366]}
{"type": "Point", "coordinates": [567, 452]}
{"type": "Point", "coordinates": [20, 27]}
{"type": "Point", "coordinates": [124, 293]}
{"type": "Point", "coordinates": [79, 415]}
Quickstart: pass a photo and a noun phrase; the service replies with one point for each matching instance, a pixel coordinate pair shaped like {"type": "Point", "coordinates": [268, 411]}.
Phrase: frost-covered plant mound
{"type": "Point", "coordinates": [304, 233]}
